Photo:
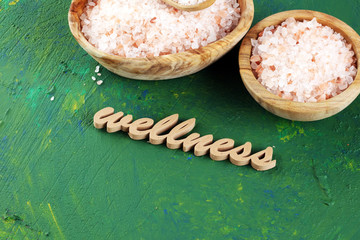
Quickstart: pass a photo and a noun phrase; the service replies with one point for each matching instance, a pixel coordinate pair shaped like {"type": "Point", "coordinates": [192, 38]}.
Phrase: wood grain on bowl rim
{"type": "Point", "coordinates": [286, 108]}
{"type": "Point", "coordinates": [166, 66]}
{"type": "Point", "coordinates": [191, 7]}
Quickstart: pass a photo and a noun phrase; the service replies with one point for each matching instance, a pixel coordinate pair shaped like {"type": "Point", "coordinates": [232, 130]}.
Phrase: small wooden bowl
{"type": "Point", "coordinates": [287, 108]}
{"type": "Point", "coordinates": [166, 66]}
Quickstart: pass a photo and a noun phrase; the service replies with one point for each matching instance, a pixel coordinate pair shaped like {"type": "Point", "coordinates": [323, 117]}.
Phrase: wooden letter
{"type": "Point", "coordinates": [161, 127]}
{"type": "Point", "coordinates": [179, 130]}
{"type": "Point", "coordinates": [240, 156]}
{"type": "Point", "coordinates": [140, 128]}
{"type": "Point", "coordinates": [116, 125]}
{"type": "Point", "coordinates": [219, 149]}
{"type": "Point", "coordinates": [114, 122]}
{"type": "Point", "coordinates": [101, 117]}
{"type": "Point", "coordinates": [124, 123]}
{"type": "Point", "coordinates": [262, 161]}
{"type": "Point", "coordinates": [202, 144]}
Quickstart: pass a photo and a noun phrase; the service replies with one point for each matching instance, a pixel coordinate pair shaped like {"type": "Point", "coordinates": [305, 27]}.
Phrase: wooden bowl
{"type": "Point", "coordinates": [287, 108]}
{"type": "Point", "coordinates": [166, 66]}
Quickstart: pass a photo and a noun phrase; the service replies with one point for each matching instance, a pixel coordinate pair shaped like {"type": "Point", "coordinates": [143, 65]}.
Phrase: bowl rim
{"type": "Point", "coordinates": [286, 108]}
{"type": "Point", "coordinates": [244, 23]}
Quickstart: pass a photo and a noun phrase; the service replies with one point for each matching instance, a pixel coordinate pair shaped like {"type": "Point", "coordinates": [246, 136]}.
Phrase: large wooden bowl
{"type": "Point", "coordinates": [166, 66]}
{"type": "Point", "coordinates": [287, 108]}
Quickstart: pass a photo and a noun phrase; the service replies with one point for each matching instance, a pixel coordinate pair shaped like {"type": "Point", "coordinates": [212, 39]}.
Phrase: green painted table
{"type": "Point", "coordinates": [60, 178]}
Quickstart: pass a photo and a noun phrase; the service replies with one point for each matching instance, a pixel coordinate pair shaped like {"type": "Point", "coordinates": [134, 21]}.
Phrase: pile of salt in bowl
{"type": "Point", "coordinates": [303, 61]}
{"type": "Point", "coordinates": [139, 28]}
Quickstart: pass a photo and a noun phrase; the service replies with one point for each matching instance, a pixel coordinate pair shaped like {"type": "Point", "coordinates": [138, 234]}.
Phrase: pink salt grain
{"type": "Point", "coordinates": [149, 28]}
{"type": "Point", "coordinates": [303, 61]}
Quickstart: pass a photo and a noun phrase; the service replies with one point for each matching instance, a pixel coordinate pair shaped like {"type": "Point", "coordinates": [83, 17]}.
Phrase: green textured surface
{"type": "Point", "coordinates": [60, 178]}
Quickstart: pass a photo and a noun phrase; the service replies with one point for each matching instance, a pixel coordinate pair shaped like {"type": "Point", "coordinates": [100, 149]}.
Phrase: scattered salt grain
{"type": "Point", "coordinates": [149, 28]}
{"type": "Point", "coordinates": [93, 78]}
{"type": "Point", "coordinates": [52, 98]}
{"type": "Point", "coordinates": [303, 61]}
{"type": "Point", "coordinates": [99, 74]}
{"type": "Point", "coordinates": [97, 69]}
{"type": "Point", "coordinates": [99, 82]}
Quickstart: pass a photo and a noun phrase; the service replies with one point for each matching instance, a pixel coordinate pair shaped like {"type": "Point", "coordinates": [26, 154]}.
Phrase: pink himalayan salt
{"type": "Point", "coordinates": [139, 28]}
{"type": "Point", "coordinates": [303, 61]}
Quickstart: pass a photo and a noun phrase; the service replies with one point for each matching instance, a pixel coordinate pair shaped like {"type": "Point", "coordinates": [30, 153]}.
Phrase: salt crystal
{"type": "Point", "coordinates": [254, 65]}
{"type": "Point", "coordinates": [52, 98]}
{"type": "Point", "coordinates": [303, 61]}
{"type": "Point", "coordinates": [97, 69]}
{"type": "Point", "coordinates": [99, 82]}
{"type": "Point", "coordinates": [99, 74]}
{"type": "Point", "coordinates": [93, 78]}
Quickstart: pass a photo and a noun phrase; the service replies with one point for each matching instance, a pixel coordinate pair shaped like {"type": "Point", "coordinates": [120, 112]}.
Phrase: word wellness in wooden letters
{"type": "Point", "coordinates": [219, 150]}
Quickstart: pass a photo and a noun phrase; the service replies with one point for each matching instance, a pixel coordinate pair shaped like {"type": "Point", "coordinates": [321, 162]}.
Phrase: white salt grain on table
{"type": "Point", "coordinates": [303, 61]}
{"type": "Point", "coordinates": [99, 82]}
{"type": "Point", "coordinates": [97, 69]}
{"type": "Point", "coordinates": [149, 28]}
